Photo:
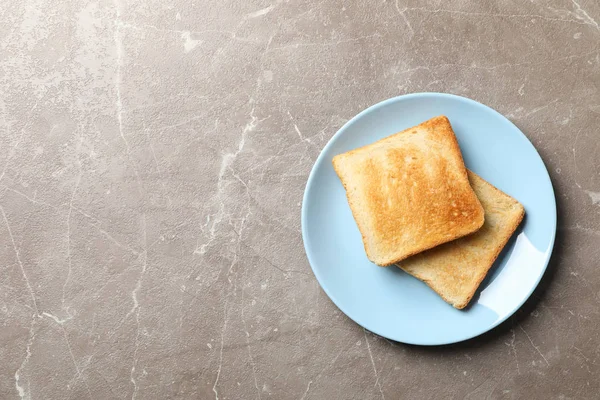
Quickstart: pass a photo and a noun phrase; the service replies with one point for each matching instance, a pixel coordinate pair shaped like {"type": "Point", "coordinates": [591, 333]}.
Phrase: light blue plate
{"type": "Point", "coordinates": [388, 301]}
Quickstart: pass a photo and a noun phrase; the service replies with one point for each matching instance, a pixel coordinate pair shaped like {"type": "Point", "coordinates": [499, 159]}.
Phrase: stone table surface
{"type": "Point", "coordinates": [153, 156]}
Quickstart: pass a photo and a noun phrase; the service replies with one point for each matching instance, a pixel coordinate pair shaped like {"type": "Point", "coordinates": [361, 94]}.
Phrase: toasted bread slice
{"type": "Point", "coordinates": [409, 192]}
{"type": "Point", "coordinates": [455, 270]}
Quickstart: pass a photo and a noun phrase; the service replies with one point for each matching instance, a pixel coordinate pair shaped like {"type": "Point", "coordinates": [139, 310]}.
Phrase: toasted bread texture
{"type": "Point", "coordinates": [455, 270]}
{"type": "Point", "coordinates": [409, 192]}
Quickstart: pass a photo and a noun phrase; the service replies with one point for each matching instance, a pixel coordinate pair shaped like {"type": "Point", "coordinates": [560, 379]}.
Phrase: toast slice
{"type": "Point", "coordinates": [409, 192]}
{"type": "Point", "coordinates": [455, 270]}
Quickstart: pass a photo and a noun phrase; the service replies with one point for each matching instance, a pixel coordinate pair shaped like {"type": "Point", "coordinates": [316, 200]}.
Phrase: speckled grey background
{"type": "Point", "coordinates": [153, 156]}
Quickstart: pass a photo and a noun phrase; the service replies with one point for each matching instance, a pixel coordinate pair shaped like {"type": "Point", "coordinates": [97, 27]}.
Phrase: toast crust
{"type": "Point", "coordinates": [409, 192]}
{"type": "Point", "coordinates": [455, 270]}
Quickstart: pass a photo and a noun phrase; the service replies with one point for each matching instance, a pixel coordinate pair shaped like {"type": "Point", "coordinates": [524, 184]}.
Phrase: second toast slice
{"type": "Point", "coordinates": [455, 270]}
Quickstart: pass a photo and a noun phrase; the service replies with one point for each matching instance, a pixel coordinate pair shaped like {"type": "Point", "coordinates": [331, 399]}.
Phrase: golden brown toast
{"type": "Point", "coordinates": [455, 270]}
{"type": "Point", "coordinates": [409, 192]}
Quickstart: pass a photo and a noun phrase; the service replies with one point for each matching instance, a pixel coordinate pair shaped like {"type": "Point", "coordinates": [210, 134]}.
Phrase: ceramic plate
{"type": "Point", "coordinates": [388, 301]}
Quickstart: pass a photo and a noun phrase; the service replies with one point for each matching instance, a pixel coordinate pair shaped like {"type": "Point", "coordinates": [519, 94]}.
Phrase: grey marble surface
{"type": "Point", "coordinates": [153, 156]}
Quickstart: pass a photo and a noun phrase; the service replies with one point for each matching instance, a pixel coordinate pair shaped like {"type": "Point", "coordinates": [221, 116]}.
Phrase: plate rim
{"type": "Point", "coordinates": [319, 160]}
